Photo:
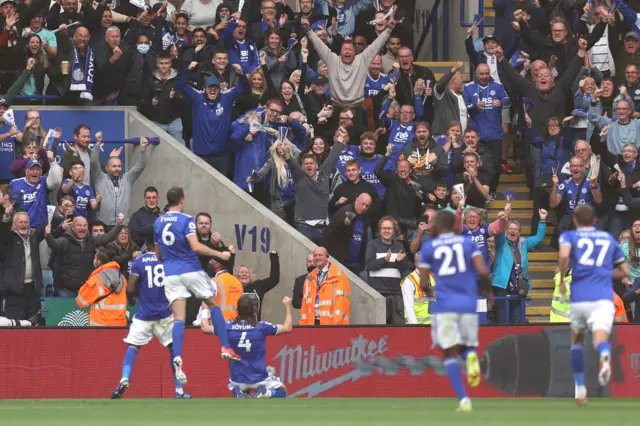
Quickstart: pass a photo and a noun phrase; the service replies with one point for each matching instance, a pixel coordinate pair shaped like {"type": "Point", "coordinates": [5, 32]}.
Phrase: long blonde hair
{"type": "Point", "coordinates": [278, 161]}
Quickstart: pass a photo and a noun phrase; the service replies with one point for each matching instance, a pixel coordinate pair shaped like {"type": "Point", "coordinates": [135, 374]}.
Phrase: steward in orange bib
{"type": "Point", "coordinates": [326, 293]}
{"type": "Point", "coordinates": [105, 291]}
{"type": "Point", "coordinates": [228, 290]}
{"type": "Point", "coordinates": [621, 313]}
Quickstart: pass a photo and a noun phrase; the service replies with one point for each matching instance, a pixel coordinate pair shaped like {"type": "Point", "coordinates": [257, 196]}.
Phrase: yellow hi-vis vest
{"type": "Point", "coordinates": [420, 299]}
{"type": "Point", "coordinates": [560, 304]}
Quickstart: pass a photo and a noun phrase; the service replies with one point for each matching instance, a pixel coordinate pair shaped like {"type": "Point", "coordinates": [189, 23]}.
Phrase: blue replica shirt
{"type": "Point", "coordinates": [449, 256]}
{"type": "Point", "coordinates": [250, 343]}
{"type": "Point", "coordinates": [480, 237]}
{"type": "Point", "coordinates": [287, 193]}
{"type": "Point", "coordinates": [170, 232]}
{"type": "Point", "coordinates": [487, 120]}
{"type": "Point", "coordinates": [569, 189]}
{"type": "Point", "coordinates": [399, 136]}
{"type": "Point", "coordinates": [373, 87]}
{"type": "Point", "coordinates": [152, 302]}
{"type": "Point", "coordinates": [368, 173]}
{"type": "Point", "coordinates": [349, 153]}
{"type": "Point", "coordinates": [355, 244]}
{"type": "Point", "coordinates": [82, 195]}
{"type": "Point", "coordinates": [594, 254]}
{"type": "Point", "coordinates": [32, 199]}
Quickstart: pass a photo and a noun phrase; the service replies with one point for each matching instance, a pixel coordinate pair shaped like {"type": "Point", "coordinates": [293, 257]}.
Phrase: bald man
{"type": "Point", "coordinates": [346, 236]}
{"type": "Point", "coordinates": [326, 293]}
{"type": "Point", "coordinates": [75, 252]}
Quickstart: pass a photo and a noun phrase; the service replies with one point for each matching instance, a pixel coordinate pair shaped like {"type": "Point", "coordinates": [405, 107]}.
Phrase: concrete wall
{"type": "Point", "coordinates": [231, 209]}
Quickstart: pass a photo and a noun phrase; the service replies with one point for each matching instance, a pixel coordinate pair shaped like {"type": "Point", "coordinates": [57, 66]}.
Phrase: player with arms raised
{"type": "Point", "coordinates": [248, 337]}
{"type": "Point", "coordinates": [456, 263]}
{"type": "Point", "coordinates": [177, 246]}
{"type": "Point", "coordinates": [596, 260]}
{"type": "Point", "coordinates": [153, 316]}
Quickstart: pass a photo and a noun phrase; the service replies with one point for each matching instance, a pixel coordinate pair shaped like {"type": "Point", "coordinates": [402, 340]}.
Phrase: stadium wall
{"type": "Point", "coordinates": [242, 221]}
{"type": "Point", "coordinates": [517, 361]}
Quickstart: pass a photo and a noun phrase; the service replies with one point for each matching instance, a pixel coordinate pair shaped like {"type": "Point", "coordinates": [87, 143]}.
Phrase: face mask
{"type": "Point", "coordinates": [143, 48]}
{"type": "Point", "coordinates": [310, 268]}
{"type": "Point", "coordinates": [96, 264]}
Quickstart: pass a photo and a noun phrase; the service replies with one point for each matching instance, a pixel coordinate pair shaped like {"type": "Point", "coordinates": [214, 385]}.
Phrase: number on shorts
{"type": "Point", "coordinates": [244, 343]}
{"type": "Point", "coordinates": [589, 246]}
{"type": "Point", "coordinates": [446, 268]}
{"type": "Point", "coordinates": [168, 238]}
{"type": "Point", "coordinates": [155, 275]}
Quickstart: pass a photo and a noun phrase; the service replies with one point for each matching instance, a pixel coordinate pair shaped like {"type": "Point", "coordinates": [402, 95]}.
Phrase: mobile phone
{"type": "Point", "coordinates": [68, 216]}
{"type": "Point", "coordinates": [424, 218]}
{"type": "Point", "coordinates": [224, 18]}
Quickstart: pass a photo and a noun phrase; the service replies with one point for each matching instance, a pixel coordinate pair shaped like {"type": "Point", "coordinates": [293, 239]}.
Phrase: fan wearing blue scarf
{"type": "Point", "coordinates": [82, 70]}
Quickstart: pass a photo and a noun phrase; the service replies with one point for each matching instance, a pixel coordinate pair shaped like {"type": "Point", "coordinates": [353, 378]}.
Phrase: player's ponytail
{"type": "Point", "coordinates": [246, 310]}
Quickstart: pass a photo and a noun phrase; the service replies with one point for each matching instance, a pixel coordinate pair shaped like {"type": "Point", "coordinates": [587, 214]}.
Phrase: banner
{"type": "Point", "coordinates": [522, 361]}
{"type": "Point", "coordinates": [64, 312]}
{"type": "Point", "coordinates": [112, 124]}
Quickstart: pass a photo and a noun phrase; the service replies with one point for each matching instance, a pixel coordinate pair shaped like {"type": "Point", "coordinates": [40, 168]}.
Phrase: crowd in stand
{"type": "Point", "coordinates": [322, 116]}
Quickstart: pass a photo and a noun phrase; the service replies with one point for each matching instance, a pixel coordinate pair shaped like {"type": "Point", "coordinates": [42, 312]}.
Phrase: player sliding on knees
{"type": "Point", "coordinates": [178, 248]}
{"type": "Point", "coordinates": [248, 337]}
{"type": "Point", "coordinates": [153, 316]}
{"type": "Point", "coordinates": [596, 260]}
{"type": "Point", "coordinates": [456, 262]}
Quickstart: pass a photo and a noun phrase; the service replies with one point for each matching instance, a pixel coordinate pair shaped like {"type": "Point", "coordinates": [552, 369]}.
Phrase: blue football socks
{"type": "Point", "coordinates": [577, 363]}
{"type": "Point", "coordinates": [219, 327]}
{"type": "Point", "coordinates": [604, 348]}
{"type": "Point", "coordinates": [453, 371]}
{"type": "Point", "coordinates": [178, 337]}
{"type": "Point", "coordinates": [129, 360]}
{"type": "Point", "coordinates": [279, 393]}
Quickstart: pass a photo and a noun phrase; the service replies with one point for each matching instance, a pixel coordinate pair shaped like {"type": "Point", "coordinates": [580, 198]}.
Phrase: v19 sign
{"type": "Point", "coordinates": [248, 238]}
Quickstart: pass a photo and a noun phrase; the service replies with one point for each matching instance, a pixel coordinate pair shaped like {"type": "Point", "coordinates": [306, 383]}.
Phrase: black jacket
{"type": "Point", "coordinates": [109, 77]}
{"type": "Point", "coordinates": [350, 191]}
{"type": "Point", "coordinates": [401, 199]}
{"type": "Point", "coordinates": [75, 258]}
{"type": "Point", "coordinates": [141, 224]}
{"type": "Point", "coordinates": [263, 286]}
{"type": "Point", "coordinates": [298, 290]}
{"type": "Point", "coordinates": [337, 236]}
{"type": "Point", "coordinates": [12, 264]}
{"type": "Point", "coordinates": [406, 83]}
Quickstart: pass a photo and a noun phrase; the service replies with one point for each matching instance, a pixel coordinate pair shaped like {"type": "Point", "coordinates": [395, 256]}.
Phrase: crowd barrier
{"type": "Point", "coordinates": [522, 361]}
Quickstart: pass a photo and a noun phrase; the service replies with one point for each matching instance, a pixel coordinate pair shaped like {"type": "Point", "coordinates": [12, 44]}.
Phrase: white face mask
{"type": "Point", "coordinates": [96, 263]}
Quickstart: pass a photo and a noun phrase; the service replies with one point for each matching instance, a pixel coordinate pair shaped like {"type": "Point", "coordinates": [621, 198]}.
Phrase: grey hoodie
{"type": "Point", "coordinates": [115, 199]}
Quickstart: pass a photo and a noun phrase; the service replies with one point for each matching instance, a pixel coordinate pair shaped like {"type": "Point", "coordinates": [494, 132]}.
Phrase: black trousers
{"type": "Point", "coordinates": [22, 306]}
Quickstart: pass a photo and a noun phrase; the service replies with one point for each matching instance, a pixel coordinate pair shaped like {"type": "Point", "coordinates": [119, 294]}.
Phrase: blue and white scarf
{"type": "Point", "coordinates": [82, 79]}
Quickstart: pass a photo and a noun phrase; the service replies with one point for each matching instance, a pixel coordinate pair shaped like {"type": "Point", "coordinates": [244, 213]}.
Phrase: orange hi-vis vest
{"type": "Point", "coordinates": [621, 313]}
{"type": "Point", "coordinates": [334, 300]}
{"type": "Point", "coordinates": [110, 311]}
{"type": "Point", "coordinates": [229, 291]}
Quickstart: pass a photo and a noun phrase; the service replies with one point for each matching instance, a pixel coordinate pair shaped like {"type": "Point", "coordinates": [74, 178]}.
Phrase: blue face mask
{"type": "Point", "coordinates": [143, 48]}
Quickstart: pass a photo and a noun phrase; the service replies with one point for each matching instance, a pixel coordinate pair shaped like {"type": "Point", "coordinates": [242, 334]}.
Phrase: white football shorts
{"type": "Point", "coordinates": [141, 332]}
{"type": "Point", "coordinates": [598, 315]}
{"type": "Point", "coordinates": [271, 382]}
{"type": "Point", "coordinates": [178, 286]}
{"type": "Point", "coordinates": [450, 329]}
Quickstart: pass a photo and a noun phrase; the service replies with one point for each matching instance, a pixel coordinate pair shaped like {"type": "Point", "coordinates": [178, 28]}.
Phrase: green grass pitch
{"type": "Point", "coordinates": [311, 412]}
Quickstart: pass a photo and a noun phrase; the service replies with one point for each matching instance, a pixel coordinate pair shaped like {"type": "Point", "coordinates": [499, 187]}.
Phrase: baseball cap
{"type": "Point", "coordinates": [632, 35]}
{"type": "Point", "coordinates": [320, 80]}
{"type": "Point", "coordinates": [212, 80]}
{"type": "Point", "coordinates": [3, 2]}
{"type": "Point", "coordinates": [32, 163]}
{"type": "Point", "coordinates": [489, 37]}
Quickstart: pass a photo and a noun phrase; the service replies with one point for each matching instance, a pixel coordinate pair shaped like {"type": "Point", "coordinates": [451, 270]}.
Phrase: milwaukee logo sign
{"type": "Point", "coordinates": [302, 363]}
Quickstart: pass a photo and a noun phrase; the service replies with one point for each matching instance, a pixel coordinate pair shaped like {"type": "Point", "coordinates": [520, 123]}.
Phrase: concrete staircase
{"type": "Point", "coordinates": [542, 263]}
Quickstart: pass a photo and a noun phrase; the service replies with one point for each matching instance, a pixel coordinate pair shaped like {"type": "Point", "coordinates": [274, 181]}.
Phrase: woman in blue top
{"type": "Point", "coordinates": [511, 265]}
